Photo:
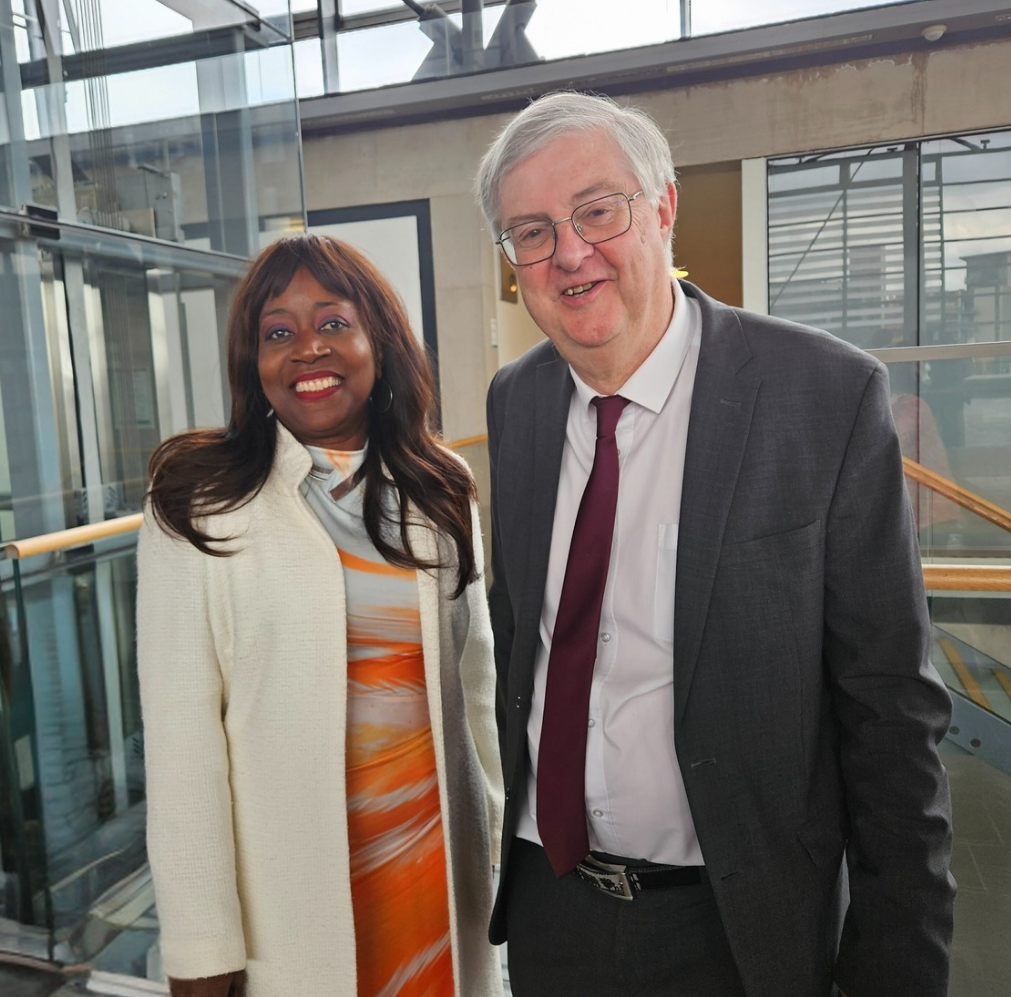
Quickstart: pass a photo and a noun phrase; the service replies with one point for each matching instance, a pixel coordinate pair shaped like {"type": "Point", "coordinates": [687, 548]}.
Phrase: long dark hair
{"type": "Point", "coordinates": [204, 472]}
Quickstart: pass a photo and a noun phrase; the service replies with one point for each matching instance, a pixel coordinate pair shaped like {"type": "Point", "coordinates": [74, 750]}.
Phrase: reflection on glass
{"type": "Point", "coordinates": [309, 80]}
{"type": "Point", "coordinates": [71, 747]}
{"type": "Point", "coordinates": [714, 16]}
{"type": "Point", "coordinates": [954, 417]}
{"type": "Point", "coordinates": [556, 31]}
{"type": "Point", "coordinates": [110, 23]}
{"type": "Point", "coordinates": [839, 239]}
{"type": "Point", "coordinates": [377, 57]}
{"type": "Point", "coordinates": [194, 151]}
{"type": "Point", "coordinates": [967, 239]}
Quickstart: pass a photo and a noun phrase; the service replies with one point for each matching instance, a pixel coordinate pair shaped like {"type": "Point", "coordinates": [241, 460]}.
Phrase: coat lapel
{"type": "Point", "coordinates": [723, 400]}
{"type": "Point", "coordinates": [552, 390]}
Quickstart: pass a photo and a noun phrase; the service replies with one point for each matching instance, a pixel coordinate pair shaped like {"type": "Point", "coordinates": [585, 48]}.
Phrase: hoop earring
{"type": "Point", "coordinates": [387, 403]}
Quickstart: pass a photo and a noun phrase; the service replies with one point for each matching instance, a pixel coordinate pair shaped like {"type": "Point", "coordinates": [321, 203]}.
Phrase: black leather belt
{"type": "Point", "coordinates": [624, 880]}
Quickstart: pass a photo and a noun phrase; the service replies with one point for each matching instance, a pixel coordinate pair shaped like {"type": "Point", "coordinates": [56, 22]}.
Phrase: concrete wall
{"type": "Point", "coordinates": [948, 90]}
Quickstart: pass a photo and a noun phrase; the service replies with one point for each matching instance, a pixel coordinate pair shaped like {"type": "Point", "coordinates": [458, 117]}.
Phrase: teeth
{"type": "Point", "coordinates": [319, 384]}
{"type": "Point", "coordinates": [573, 291]}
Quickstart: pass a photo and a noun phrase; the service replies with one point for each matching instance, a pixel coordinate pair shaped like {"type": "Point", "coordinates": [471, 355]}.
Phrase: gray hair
{"type": "Point", "coordinates": [563, 113]}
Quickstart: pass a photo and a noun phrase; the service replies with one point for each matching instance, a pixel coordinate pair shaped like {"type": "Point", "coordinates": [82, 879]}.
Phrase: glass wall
{"type": "Point", "coordinates": [380, 42]}
{"type": "Point", "coordinates": [905, 250]}
{"type": "Point", "coordinates": [144, 156]}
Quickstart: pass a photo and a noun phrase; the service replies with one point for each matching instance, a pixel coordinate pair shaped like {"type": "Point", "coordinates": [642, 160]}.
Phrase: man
{"type": "Point", "coordinates": [717, 716]}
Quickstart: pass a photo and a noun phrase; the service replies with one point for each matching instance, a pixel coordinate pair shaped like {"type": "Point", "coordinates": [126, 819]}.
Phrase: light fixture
{"type": "Point", "coordinates": [934, 32]}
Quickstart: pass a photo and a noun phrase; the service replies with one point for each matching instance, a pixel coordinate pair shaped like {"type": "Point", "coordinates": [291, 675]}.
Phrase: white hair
{"type": "Point", "coordinates": [555, 115]}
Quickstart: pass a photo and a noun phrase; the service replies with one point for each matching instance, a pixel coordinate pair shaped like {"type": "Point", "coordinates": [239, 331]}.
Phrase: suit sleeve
{"type": "Point", "coordinates": [893, 711]}
{"type": "Point", "coordinates": [191, 844]}
{"type": "Point", "coordinates": [499, 599]}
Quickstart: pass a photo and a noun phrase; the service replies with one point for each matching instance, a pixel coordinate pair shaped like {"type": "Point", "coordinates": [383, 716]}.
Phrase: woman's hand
{"type": "Point", "coordinates": [226, 985]}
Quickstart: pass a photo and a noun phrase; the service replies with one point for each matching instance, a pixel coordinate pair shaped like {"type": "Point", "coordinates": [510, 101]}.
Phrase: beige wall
{"type": "Point", "coordinates": [954, 89]}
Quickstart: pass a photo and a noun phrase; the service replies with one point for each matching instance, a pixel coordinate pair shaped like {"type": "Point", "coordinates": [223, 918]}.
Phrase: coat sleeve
{"type": "Point", "coordinates": [893, 711]}
{"type": "Point", "coordinates": [477, 670]}
{"type": "Point", "coordinates": [191, 845]}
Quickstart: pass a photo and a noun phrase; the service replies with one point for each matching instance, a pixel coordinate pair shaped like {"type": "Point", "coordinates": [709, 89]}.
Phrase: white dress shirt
{"type": "Point", "coordinates": [635, 797]}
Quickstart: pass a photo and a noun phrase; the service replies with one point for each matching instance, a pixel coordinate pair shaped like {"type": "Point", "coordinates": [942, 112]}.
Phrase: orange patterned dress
{"type": "Point", "coordinates": [398, 861]}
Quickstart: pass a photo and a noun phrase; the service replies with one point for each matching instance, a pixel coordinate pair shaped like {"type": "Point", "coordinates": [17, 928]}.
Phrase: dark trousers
{"type": "Point", "coordinates": [568, 938]}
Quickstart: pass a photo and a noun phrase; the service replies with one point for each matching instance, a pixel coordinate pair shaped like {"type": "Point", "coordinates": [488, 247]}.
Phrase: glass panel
{"type": "Point", "coordinates": [309, 80]}
{"type": "Point", "coordinates": [377, 57]}
{"type": "Point", "coordinates": [73, 745]}
{"type": "Point", "coordinates": [842, 244]}
{"type": "Point", "coordinates": [712, 16]}
{"type": "Point", "coordinates": [523, 33]}
{"type": "Point", "coordinates": [194, 151]}
{"type": "Point", "coordinates": [954, 417]}
{"type": "Point", "coordinates": [22, 846]}
{"type": "Point", "coordinates": [967, 239]}
{"type": "Point", "coordinates": [90, 26]}
{"type": "Point", "coordinates": [556, 31]}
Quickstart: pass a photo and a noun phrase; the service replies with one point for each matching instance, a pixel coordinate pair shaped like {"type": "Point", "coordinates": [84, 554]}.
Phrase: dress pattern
{"type": "Point", "coordinates": [398, 861]}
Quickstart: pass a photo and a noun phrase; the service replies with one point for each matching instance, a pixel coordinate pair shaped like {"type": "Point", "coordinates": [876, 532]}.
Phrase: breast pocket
{"type": "Point", "coordinates": [666, 569]}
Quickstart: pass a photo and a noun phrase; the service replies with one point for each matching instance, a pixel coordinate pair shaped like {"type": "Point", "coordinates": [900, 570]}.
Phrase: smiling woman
{"type": "Point", "coordinates": [313, 639]}
{"type": "Point", "coordinates": [316, 364]}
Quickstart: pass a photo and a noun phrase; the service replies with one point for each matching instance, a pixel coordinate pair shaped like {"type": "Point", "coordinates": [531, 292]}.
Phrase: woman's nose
{"type": "Point", "coordinates": [309, 347]}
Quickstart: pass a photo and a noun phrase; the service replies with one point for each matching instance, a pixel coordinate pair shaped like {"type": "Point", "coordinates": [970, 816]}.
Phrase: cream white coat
{"type": "Point", "coordinates": [243, 666]}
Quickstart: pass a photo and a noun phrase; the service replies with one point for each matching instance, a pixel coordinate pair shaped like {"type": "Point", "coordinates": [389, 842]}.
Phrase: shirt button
{"type": "Point", "coordinates": [591, 722]}
{"type": "Point", "coordinates": [598, 813]}
{"type": "Point", "coordinates": [605, 637]}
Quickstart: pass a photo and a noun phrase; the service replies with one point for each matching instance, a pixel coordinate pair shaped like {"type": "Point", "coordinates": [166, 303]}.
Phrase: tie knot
{"type": "Point", "coordinates": [609, 409]}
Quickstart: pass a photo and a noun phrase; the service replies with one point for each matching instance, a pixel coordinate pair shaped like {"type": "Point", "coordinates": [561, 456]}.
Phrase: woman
{"type": "Point", "coordinates": [315, 661]}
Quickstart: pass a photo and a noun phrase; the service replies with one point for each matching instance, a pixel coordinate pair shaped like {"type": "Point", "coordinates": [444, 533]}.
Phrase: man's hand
{"type": "Point", "coordinates": [226, 985]}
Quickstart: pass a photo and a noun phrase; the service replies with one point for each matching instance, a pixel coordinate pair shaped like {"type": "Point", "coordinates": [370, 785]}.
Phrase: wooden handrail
{"type": "Point", "coordinates": [79, 535]}
{"type": "Point", "coordinates": [74, 537]}
{"type": "Point", "coordinates": [937, 577]}
{"type": "Point", "coordinates": [962, 496]}
{"type": "Point", "coordinates": [967, 577]}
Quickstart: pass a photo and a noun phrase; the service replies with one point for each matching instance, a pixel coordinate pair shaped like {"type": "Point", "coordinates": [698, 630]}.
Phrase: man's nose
{"type": "Point", "coordinates": [570, 249]}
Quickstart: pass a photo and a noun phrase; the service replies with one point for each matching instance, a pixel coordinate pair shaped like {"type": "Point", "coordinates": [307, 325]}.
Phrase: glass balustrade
{"type": "Point", "coordinates": [72, 757]}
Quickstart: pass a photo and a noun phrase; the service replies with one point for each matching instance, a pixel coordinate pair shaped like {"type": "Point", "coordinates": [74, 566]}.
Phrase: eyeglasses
{"type": "Point", "coordinates": [596, 221]}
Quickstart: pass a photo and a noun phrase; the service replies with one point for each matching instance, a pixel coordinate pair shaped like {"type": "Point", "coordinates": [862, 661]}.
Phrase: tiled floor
{"type": "Point", "coordinates": [981, 863]}
{"type": "Point", "coordinates": [981, 952]}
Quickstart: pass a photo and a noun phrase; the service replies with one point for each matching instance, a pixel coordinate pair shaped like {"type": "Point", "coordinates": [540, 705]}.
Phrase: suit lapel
{"type": "Point", "coordinates": [550, 406]}
{"type": "Point", "coordinates": [723, 400]}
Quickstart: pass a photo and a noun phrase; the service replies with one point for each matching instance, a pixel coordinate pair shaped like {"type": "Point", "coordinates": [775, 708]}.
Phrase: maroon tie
{"type": "Point", "coordinates": [561, 760]}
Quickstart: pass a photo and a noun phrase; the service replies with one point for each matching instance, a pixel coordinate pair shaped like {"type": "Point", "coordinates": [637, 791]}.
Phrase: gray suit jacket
{"type": "Point", "coordinates": [807, 713]}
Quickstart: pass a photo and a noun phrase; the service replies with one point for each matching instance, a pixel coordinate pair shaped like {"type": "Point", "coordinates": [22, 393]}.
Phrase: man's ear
{"type": "Point", "coordinates": [668, 209]}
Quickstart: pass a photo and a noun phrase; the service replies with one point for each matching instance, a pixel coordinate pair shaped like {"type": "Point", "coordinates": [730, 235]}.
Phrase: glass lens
{"type": "Point", "coordinates": [529, 242]}
{"type": "Point", "coordinates": [604, 218]}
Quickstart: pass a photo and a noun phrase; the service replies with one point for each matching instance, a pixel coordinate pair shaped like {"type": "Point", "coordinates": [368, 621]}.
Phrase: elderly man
{"type": "Point", "coordinates": [717, 716]}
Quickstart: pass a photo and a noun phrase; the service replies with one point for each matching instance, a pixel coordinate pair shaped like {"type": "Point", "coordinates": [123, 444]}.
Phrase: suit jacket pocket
{"type": "Point", "coordinates": [768, 583]}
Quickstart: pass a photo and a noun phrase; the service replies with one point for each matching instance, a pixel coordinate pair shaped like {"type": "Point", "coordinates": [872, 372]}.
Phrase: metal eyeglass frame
{"type": "Point", "coordinates": [504, 237]}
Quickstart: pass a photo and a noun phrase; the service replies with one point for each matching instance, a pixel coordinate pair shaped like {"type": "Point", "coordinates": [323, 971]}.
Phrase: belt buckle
{"type": "Point", "coordinates": [606, 877]}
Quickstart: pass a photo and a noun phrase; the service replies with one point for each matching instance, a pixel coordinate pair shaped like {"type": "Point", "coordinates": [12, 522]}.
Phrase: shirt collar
{"type": "Point", "coordinates": [652, 381]}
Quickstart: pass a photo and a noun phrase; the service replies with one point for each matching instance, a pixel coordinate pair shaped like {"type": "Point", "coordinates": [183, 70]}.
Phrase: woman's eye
{"type": "Point", "coordinates": [335, 324]}
{"type": "Point", "coordinates": [275, 334]}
